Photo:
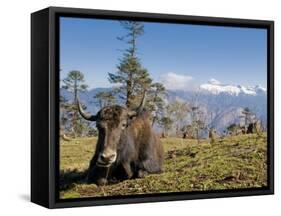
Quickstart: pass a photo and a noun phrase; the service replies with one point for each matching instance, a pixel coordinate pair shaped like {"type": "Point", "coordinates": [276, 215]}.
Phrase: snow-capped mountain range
{"type": "Point", "coordinates": [215, 87]}
{"type": "Point", "coordinates": [225, 102]}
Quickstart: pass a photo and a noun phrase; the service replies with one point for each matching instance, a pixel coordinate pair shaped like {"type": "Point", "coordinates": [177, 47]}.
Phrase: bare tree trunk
{"type": "Point", "coordinates": [75, 113]}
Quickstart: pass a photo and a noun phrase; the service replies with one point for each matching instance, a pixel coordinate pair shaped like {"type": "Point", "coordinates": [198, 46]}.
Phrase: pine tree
{"type": "Point", "coordinates": [63, 116]}
{"type": "Point", "coordinates": [247, 115]}
{"type": "Point", "coordinates": [166, 123]}
{"type": "Point", "coordinates": [197, 121]}
{"type": "Point", "coordinates": [105, 99]}
{"type": "Point", "coordinates": [178, 111]}
{"type": "Point", "coordinates": [75, 83]}
{"type": "Point", "coordinates": [187, 132]}
{"type": "Point", "coordinates": [132, 78]}
{"type": "Point", "coordinates": [155, 102]}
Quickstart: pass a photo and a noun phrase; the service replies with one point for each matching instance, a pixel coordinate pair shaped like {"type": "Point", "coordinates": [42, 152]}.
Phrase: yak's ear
{"type": "Point", "coordinates": [124, 124]}
{"type": "Point", "coordinates": [139, 110]}
{"type": "Point", "coordinates": [131, 116]}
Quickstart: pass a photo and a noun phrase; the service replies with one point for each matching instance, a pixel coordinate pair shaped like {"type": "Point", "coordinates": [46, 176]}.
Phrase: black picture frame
{"type": "Point", "coordinates": [45, 109]}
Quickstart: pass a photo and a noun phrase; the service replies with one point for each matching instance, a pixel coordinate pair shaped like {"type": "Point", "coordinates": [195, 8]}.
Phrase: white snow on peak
{"type": "Point", "coordinates": [214, 81]}
{"type": "Point", "coordinates": [215, 87]}
{"type": "Point", "coordinates": [249, 90]}
{"type": "Point", "coordinates": [260, 88]}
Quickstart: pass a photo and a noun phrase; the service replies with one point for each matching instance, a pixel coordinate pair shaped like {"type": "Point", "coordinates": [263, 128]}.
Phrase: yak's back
{"type": "Point", "coordinates": [146, 140]}
{"type": "Point", "coordinates": [141, 126]}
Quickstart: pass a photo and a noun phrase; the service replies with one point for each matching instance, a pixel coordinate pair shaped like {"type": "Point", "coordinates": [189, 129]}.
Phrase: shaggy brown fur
{"type": "Point", "coordinates": [131, 140]}
{"type": "Point", "coordinates": [254, 127]}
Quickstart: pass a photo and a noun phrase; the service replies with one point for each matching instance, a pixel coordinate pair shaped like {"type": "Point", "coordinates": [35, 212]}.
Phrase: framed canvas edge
{"type": "Point", "coordinates": [39, 146]}
{"type": "Point", "coordinates": [53, 72]}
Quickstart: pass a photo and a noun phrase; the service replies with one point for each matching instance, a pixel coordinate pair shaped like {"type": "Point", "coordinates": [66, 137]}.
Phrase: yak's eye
{"type": "Point", "coordinates": [100, 125]}
{"type": "Point", "coordinates": [124, 125]}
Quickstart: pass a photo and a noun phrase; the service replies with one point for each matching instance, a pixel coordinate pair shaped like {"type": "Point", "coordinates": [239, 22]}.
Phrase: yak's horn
{"type": "Point", "coordinates": [141, 106]}
{"type": "Point", "coordinates": [136, 112]}
{"type": "Point", "coordinates": [85, 115]}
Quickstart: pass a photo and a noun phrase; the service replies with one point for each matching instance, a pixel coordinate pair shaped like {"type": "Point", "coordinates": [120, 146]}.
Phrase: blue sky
{"type": "Point", "coordinates": [180, 56]}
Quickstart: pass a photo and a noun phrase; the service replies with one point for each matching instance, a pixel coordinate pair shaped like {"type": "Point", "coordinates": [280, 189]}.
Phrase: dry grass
{"type": "Point", "coordinates": [232, 162]}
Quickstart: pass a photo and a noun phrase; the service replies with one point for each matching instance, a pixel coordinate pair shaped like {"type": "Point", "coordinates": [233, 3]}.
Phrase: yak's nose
{"type": "Point", "coordinates": [107, 158]}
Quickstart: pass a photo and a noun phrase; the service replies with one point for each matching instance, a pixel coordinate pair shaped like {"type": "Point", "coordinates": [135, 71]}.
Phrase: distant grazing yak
{"type": "Point", "coordinates": [213, 135]}
{"type": "Point", "coordinates": [255, 127]}
{"type": "Point", "coordinates": [127, 147]}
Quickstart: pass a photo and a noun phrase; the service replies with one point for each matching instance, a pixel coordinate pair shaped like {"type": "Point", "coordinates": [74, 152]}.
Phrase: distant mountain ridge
{"type": "Point", "coordinates": [212, 96]}
{"type": "Point", "coordinates": [226, 101]}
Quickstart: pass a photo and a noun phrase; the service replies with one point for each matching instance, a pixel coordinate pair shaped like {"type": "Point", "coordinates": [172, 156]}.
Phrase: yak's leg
{"type": "Point", "coordinates": [148, 166]}
{"type": "Point", "coordinates": [141, 173]}
{"type": "Point", "coordinates": [101, 181]}
{"type": "Point", "coordinates": [92, 170]}
{"type": "Point", "coordinates": [151, 159]}
{"type": "Point", "coordinates": [128, 170]}
{"type": "Point", "coordinates": [97, 175]}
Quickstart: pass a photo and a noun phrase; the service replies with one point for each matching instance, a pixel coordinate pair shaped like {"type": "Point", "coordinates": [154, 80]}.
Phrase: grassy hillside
{"type": "Point", "coordinates": [232, 162]}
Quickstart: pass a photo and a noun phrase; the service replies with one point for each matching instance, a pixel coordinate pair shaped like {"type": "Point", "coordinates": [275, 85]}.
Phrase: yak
{"type": "Point", "coordinates": [127, 146]}
{"type": "Point", "coordinates": [254, 127]}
